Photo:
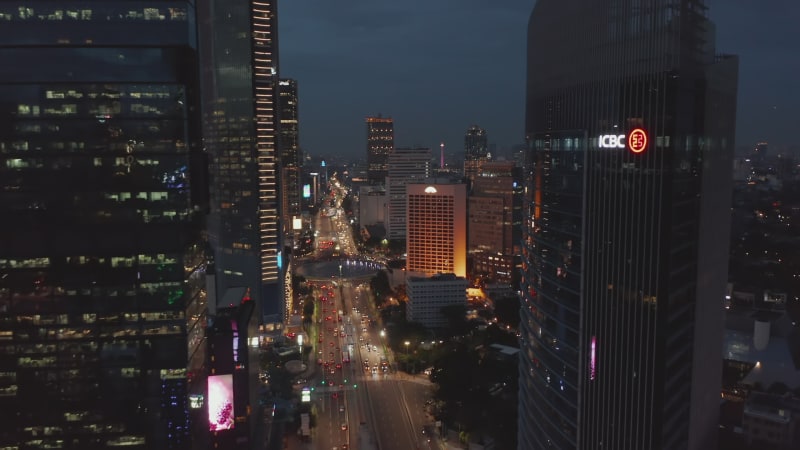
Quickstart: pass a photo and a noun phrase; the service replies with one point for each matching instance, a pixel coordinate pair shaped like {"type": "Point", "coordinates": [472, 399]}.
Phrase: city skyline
{"type": "Point", "coordinates": [421, 64]}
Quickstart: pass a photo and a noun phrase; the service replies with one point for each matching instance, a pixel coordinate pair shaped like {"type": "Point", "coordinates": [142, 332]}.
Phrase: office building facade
{"type": "Point", "coordinates": [476, 151]}
{"type": "Point", "coordinates": [380, 142]}
{"type": "Point", "coordinates": [436, 239]}
{"type": "Point", "coordinates": [428, 295]}
{"type": "Point", "coordinates": [291, 155]}
{"type": "Point", "coordinates": [240, 111]}
{"type": "Point", "coordinates": [495, 220]}
{"type": "Point", "coordinates": [406, 165]}
{"type": "Point", "coordinates": [630, 119]}
{"type": "Point", "coordinates": [103, 197]}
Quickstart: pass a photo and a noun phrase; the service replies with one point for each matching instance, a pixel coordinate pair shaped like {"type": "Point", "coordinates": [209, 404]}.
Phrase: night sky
{"type": "Point", "coordinates": [438, 66]}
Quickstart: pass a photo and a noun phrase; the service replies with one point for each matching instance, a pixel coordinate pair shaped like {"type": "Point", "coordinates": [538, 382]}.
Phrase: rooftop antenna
{"type": "Point", "coordinates": [441, 156]}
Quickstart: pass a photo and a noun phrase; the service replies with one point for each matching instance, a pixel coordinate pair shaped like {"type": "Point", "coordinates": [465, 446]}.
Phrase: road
{"type": "Point", "coordinates": [360, 404]}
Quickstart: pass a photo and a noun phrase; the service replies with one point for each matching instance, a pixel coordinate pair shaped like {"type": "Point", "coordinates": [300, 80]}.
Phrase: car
{"type": "Point", "coordinates": [344, 427]}
{"type": "Point", "coordinates": [375, 370]}
{"type": "Point", "coordinates": [341, 408]}
{"type": "Point", "coordinates": [319, 361]}
{"type": "Point", "coordinates": [332, 344]}
{"type": "Point", "coordinates": [339, 366]}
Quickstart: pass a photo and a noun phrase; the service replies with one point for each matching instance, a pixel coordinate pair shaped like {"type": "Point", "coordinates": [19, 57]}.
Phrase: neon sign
{"type": "Point", "coordinates": [593, 359]}
{"type": "Point", "coordinates": [611, 141]}
{"type": "Point", "coordinates": [635, 141]}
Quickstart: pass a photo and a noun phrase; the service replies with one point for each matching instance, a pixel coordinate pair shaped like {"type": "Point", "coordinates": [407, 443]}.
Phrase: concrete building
{"type": "Point", "coordinates": [428, 295]}
{"type": "Point", "coordinates": [437, 229]}
{"type": "Point", "coordinates": [371, 205]}
{"type": "Point", "coordinates": [406, 165]}
{"type": "Point", "coordinates": [772, 421]}
{"type": "Point", "coordinates": [380, 142]}
{"type": "Point", "coordinates": [495, 220]}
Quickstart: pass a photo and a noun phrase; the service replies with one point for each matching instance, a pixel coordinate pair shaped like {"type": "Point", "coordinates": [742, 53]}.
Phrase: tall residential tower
{"type": "Point", "coordinates": [630, 118]}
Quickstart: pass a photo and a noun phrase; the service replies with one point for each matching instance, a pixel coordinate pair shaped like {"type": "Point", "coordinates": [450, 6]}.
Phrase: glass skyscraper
{"type": "Point", "coordinates": [630, 118]}
{"type": "Point", "coordinates": [240, 97]}
{"type": "Point", "coordinates": [291, 155]}
{"type": "Point", "coordinates": [103, 197]}
{"type": "Point", "coordinates": [476, 152]}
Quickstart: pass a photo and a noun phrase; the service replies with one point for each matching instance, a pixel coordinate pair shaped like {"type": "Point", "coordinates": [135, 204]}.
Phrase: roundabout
{"type": "Point", "coordinates": [346, 268]}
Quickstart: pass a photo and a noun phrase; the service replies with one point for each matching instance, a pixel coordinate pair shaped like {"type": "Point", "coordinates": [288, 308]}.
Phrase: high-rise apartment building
{"type": "Point", "coordinates": [103, 196]}
{"type": "Point", "coordinates": [406, 165]}
{"type": "Point", "coordinates": [495, 220]}
{"type": "Point", "coordinates": [291, 155]}
{"type": "Point", "coordinates": [630, 118]}
{"type": "Point", "coordinates": [476, 151]}
{"type": "Point", "coordinates": [436, 239]}
{"type": "Point", "coordinates": [380, 142]}
{"type": "Point", "coordinates": [240, 98]}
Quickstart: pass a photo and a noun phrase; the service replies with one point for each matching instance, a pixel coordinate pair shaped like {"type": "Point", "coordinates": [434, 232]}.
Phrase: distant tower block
{"type": "Point", "coordinates": [441, 155]}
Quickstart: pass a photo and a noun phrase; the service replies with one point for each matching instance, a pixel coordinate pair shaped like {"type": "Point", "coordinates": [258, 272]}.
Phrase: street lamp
{"type": "Point", "coordinates": [407, 344]}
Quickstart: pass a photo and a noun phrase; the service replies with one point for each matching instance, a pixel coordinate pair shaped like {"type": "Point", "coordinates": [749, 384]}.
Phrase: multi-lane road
{"type": "Point", "coordinates": [361, 404]}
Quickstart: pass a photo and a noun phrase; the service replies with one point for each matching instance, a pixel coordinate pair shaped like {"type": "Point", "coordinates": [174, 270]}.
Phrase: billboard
{"type": "Point", "coordinates": [306, 191]}
{"type": "Point", "coordinates": [220, 402]}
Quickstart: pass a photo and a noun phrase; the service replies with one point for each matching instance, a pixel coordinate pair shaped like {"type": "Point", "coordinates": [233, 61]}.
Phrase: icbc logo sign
{"type": "Point", "coordinates": [611, 141]}
{"type": "Point", "coordinates": [636, 141]}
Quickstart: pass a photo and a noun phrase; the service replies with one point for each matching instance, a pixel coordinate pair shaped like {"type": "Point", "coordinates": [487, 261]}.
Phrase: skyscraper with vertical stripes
{"type": "Point", "coordinates": [629, 119]}
{"type": "Point", "coordinates": [239, 44]}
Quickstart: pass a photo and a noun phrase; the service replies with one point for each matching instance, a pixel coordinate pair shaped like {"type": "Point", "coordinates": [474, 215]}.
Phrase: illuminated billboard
{"type": "Point", "coordinates": [220, 402]}
{"type": "Point", "coordinates": [306, 191]}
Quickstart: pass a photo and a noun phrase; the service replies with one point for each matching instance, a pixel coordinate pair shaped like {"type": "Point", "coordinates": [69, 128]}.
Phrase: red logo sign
{"type": "Point", "coordinates": [637, 140]}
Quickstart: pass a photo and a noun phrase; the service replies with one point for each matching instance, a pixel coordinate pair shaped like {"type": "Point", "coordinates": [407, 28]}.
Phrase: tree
{"type": "Point", "coordinates": [507, 310]}
{"type": "Point", "coordinates": [380, 287]}
{"type": "Point", "coordinates": [456, 316]}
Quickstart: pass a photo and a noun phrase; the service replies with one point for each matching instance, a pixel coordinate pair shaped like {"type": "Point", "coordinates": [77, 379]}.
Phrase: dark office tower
{"type": "Point", "coordinates": [291, 156]}
{"type": "Point", "coordinates": [101, 248]}
{"type": "Point", "coordinates": [476, 152]}
{"type": "Point", "coordinates": [240, 98]}
{"type": "Point", "coordinates": [630, 120]}
{"type": "Point", "coordinates": [380, 141]}
{"type": "Point", "coordinates": [475, 144]}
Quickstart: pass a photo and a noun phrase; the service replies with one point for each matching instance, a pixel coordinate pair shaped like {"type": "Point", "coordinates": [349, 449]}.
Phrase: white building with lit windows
{"type": "Point", "coordinates": [428, 295]}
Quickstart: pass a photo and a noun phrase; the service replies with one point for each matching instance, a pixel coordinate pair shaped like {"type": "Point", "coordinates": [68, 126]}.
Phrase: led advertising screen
{"type": "Point", "coordinates": [220, 402]}
{"type": "Point", "coordinates": [306, 191]}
